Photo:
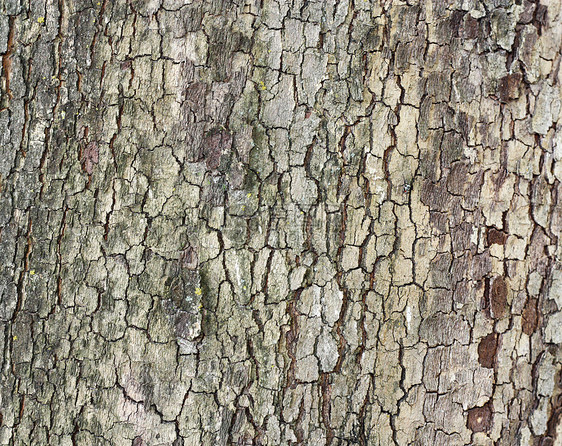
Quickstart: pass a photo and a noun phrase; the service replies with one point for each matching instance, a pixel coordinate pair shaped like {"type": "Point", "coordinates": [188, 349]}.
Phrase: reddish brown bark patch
{"type": "Point", "coordinates": [530, 317]}
{"type": "Point", "coordinates": [90, 157]}
{"type": "Point", "coordinates": [7, 64]}
{"type": "Point", "coordinates": [471, 27]}
{"type": "Point", "coordinates": [496, 237]}
{"type": "Point", "coordinates": [480, 418]}
{"type": "Point", "coordinates": [508, 87]}
{"type": "Point", "coordinates": [189, 258]}
{"type": "Point", "coordinates": [498, 297]}
{"type": "Point", "coordinates": [216, 143]}
{"type": "Point", "coordinates": [487, 350]}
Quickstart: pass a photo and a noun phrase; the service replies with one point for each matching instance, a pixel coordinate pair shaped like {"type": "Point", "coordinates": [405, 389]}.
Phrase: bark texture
{"type": "Point", "coordinates": [260, 222]}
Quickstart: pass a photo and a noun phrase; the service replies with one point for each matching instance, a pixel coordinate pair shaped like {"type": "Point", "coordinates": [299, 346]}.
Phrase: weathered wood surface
{"type": "Point", "coordinates": [280, 222]}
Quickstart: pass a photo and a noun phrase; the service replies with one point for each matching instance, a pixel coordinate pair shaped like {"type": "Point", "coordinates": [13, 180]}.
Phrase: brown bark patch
{"type": "Point", "coordinates": [547, 441]}
{"type": "Point", "coordinates": [189, 258]}
{"type": "Point", "coordinates": [451, 148]}
{"type": "Point", "coordinates": [540, 17]}
{"type": "Point", "coordinates": [496, 237]}
{"type": "Point", "coordinates": [90, 157]}
{"type": "Point", "coordinates": [508, 87]}
{"type": "Point", "coordinates": [480, 418]}
{"type": "Point", "coordinates": [216, 142]}
{"type": "Point", "coordinates": [460, 236]}
{"type": "Point", "coordinates": [530, 317]}
{"type": "Point", "coordinates": [498, 297]}
{"type": "Point", "coordinates": [7, 66]}
{"type": "Point", "coordinates": [471, 27]}
{"type": "Point", "coordinates": [435, 196]}
{"type": "Point", "coordinates": [537, 260]}
{"type": "Point", "coordinates": [195, 95]}
{"type": "Point", "coordinates": [457, 178]}
{"type": "Point", "coordinates": [186, 325]}
{"type": "Point", "coordinates": [487, 350]}
{"type": "Point", "coordinates": [481, 265]}
{"type": "Point", "coordinates": [455, 22]}
{"type": "Point", "coordinates": [326, 398]}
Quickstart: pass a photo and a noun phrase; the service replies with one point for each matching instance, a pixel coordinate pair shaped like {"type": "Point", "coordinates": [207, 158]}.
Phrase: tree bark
{"type": "Point", "coordinates": [260, 222]}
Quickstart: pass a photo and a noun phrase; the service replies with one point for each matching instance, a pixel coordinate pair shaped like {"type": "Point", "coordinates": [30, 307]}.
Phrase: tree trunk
{"type": "Point", "coordinates": [260, 222]}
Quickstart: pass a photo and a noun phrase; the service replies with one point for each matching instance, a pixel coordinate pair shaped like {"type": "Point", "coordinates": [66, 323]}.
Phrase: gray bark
{"type": "Point", "coordinates": [260, 222]}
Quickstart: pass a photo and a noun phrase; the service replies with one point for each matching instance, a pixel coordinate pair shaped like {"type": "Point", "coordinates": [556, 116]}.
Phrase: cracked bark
{"type": "Point", "coordinates": [257, 222]}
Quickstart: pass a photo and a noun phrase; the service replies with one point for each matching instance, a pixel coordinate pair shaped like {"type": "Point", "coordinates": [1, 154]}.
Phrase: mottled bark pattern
{"type": "Point", "coordinates": [261, 222]}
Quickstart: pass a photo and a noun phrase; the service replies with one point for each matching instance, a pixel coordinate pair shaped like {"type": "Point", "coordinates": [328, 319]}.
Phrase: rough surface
{"type": "Point", "coordinates": [260, 222]}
